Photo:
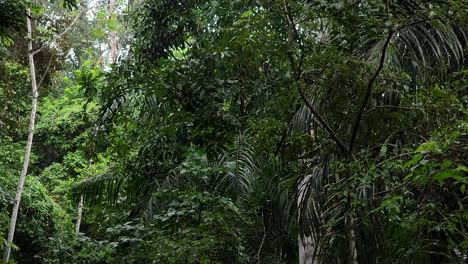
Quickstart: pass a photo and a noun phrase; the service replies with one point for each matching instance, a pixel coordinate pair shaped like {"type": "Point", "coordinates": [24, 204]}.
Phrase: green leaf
{"type": "Point", "coordinates": [383, 150]}
{"type": "Point", "coordinates": [413, 161]}
{"type": "Point", "coordinates": [99, 32]}
{"type": "Point", "coordinates": [447, 174]}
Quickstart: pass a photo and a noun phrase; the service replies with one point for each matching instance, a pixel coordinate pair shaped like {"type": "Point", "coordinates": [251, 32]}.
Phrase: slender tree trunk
{"type": "Point", "coordinates": [113, 41]}
{"type": "Point", "coordinates": [24, 171]}
{"type": "Point", "coordinates": [308, 246]}
{"type": "Point", "coordinates": [352, 247]}
{"type": "Point", "coordinates": [81, 203]}
{"type": "Point", "coordinates": [80, 213]}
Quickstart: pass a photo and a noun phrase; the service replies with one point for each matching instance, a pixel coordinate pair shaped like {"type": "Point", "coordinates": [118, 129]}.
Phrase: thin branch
{"type": "Point", "coordinates": [286, 129]}
{"type": "Point", "coordinates": [394, 189]}
{"type": "Point", "coordinates": [297, 77]}
{"type": "Point", "coordinates": [283, 138]}
{"type": "Point", "coordinates": [376, 74]}
{"type": "Point", "coordinates": [45, 73]}
{"type": "Point", "coordinates": [61, 34]}
{"type": "Point", "coordinates": [319, 118]}
{"type": "Point", "coordinates": [369, 89]}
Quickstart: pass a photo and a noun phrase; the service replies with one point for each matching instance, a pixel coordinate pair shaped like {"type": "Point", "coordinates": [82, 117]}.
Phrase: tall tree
{"type": "Point", "coordinates": [27, 154]}
{"type": "Point", "coordinates": [31, 127]}
{"type": "Point", "coordinates": [112, 33]}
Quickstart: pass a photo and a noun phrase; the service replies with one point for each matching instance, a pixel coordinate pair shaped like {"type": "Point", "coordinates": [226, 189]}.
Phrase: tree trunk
{"type": "Point", "coordinates": [352, 247]}
{"type": "Point", "coordinates": [80, 213]}
{"type": "Point", "coordinates": [113, 42]}
{"type": "Point", "coordinates": [81, 203]}
{"type": "Point", "coordinates": [308, 247]}
{"type": "Point", "coordinates": [24, 171]}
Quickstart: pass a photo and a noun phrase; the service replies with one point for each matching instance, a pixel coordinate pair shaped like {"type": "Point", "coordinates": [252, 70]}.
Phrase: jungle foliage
{"type": "Point", "coordinates": [239, 131]}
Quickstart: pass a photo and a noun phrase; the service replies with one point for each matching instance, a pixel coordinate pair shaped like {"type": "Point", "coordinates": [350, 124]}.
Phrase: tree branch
{"type": "Point", "coordinates": [369, 89]}
{"type": "Point", "coordinates": [320, 119]}
{"type": "Point", "coordinates": [297, 77]}
{"type": "Point", "coordinates": [45, 73]}
{"type": "Point", "coordinates": [376, 74]}
{"type": "Point", "coordinates": [61, 34]}
{"type": "Point", "coordinates": [285, 131]}
{"type": "Point", "coordinates": [394, 189]}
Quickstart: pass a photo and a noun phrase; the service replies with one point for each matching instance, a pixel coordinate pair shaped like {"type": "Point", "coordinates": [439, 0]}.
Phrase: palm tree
{"type": "Point", "coordinates": [417, 43]}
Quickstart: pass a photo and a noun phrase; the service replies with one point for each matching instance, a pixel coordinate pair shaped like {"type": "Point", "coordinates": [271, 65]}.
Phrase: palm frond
{"type": "Point", "coordinates": [433, 46]}
{"type": "Point", "coordinates": [104, 187]}
{"type": "Point", "coordinates": [261, 183]}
